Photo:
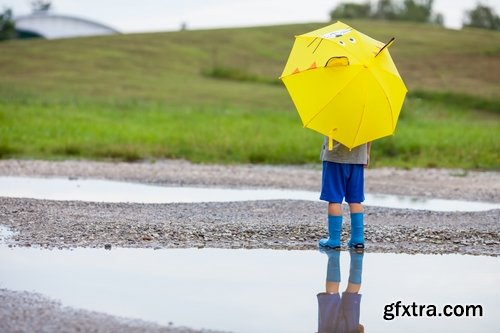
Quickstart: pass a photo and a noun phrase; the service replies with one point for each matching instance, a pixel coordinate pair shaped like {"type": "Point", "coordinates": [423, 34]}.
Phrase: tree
{"type": "Point", "coordinates": [351, 10]}
{"type": "Point", "coordinates": [483, 17]}
{"type": "Point", "coordinates": [41, 6]}
{"type": "Point", "coordinates": [386, 10]}
{"type": "Point", "coordinates": [404, 10]}
{"type": "Point", "coordinates": [7, 25]}
{"type": "Point", "coordinates": [416, 11]}
{"type": "Point", "coordinates": [438, 19]}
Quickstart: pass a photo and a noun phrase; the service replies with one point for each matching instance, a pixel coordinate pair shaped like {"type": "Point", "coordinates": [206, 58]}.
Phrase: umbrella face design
{"type": "Point", "coordinates": [344, 84]}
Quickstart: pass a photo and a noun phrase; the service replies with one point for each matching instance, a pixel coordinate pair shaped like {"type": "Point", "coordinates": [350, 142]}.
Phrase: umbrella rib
{"type": "Point", "coordinates": [312, 41]}
{"type": "Point", "coordinates": [393, 126]}
{"type": "Point", "coordinates": [360, 120]}
{"type": "Point", "coordinates": [318, 44]}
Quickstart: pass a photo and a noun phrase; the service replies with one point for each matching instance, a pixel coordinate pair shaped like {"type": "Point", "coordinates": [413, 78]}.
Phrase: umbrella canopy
{"type": "Point", "coordinates": [344, 84]}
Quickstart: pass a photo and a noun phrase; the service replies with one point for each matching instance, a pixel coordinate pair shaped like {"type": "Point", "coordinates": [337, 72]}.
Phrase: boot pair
{"type": "Point", "coordinates": [357, 240]}
{"type": "Point", "coordinates": [333, 267]}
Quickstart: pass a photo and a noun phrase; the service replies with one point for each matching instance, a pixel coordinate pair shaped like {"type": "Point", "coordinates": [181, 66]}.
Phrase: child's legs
{"type": "Point", "coordinates": [334, 208]}
{"type": "Point", "coordinates": [355, 196]}
{"type": "Point", "coordinates": [333, 190]}
{"type": "Point", "coordinates": [332, 287]}
{"type": "Point", "coordinates": [356, 208]}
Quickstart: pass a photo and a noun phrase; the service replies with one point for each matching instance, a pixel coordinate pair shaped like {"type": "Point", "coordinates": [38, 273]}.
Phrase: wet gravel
{"type": "Point", "coordinates": [276, 224]}
{"type": "Point", "coordinates": [26, 312]}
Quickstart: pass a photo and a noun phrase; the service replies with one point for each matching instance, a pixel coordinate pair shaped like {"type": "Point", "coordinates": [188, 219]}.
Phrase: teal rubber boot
{"type": "Point", "coordinates": [333, 267]}
{"type": "Point", "coordinates": [334, 231]}
{"type": "Point", "coordinates": [356, 267]}
{"type": "Point", "coordinates": [357, 240]}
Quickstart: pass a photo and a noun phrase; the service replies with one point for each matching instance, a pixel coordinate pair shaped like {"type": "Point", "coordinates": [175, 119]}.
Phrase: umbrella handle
{"type": "Point", "coordinates": [330, 140]}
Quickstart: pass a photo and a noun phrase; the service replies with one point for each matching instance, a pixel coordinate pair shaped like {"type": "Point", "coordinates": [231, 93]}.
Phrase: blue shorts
{"type": "Point", "coordinates": [342, 181]}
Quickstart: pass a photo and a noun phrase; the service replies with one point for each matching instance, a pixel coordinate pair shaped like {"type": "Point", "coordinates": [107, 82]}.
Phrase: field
{"type": "Point", "coordinates": [213, 96]}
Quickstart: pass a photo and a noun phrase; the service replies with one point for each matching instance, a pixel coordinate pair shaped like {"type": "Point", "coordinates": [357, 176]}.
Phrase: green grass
{"type": "Point", "coordinates": [435, 134]}
{"type": "Point", "coordinates": [457, 100]}
{"type": "Point", "coordinates": [429, 134]}
{"type": "Point", "coordinates": [237, 74]}
{"type": "Point", "coordinates": [211, 96]}
{"type": "Point", "coordinates": [118, 131]}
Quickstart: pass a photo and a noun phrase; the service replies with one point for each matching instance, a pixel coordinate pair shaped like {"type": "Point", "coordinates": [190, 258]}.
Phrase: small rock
{"type": "Point", "coordinates": [107, 246]}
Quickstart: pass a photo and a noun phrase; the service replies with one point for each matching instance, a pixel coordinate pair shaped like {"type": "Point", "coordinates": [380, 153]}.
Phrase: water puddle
{"type": "Point", "coordinates": [252, 291]}
{"type": "Point", "coordinates": [5, 233]}
{"type": "Point", "coordinates": [113, 191]}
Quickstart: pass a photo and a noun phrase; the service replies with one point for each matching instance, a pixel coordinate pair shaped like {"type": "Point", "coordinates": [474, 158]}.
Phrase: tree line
{"type": "Point", "coordinates": [481, 16]}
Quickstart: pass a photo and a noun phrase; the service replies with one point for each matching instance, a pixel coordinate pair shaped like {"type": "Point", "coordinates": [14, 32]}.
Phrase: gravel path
{"type": "Point", "coordinates": [278, 224]}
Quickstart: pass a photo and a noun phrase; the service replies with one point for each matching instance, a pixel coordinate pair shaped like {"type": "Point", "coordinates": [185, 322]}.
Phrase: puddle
{"type": "Point", "coordinates": [113, 191]}
{"type": "Point", "coordinates": [5, 233]}
{"type": "Point", "coordinates": [252, 291]}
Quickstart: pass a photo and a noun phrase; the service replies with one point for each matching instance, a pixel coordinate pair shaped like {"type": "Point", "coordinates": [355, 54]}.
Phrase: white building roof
{"type": "Point", "coordinates": [60, 26]}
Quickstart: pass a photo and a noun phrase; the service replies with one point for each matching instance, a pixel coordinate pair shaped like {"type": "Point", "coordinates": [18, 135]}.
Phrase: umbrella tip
{"type": "Point", "coordinates": [389, 43]}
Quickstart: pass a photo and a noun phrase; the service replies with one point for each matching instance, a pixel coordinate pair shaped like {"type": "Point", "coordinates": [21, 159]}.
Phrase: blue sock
{"type": "Point", "coordinates": [356, 267]}
{"type": "Point", "coordinates": [357, 230]}
{"type": "Point", "coordinates": [334, 231]}
{"type": "Point", "coordinates": [333, 268]}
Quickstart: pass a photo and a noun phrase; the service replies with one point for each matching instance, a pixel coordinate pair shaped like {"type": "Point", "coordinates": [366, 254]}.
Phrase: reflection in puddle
{"type": "Point", "coordinates": [112, 191]}
{"type": "Point", "coordinates": [340, 312]}
{"type": "Point", "coordinates": [252, 291]}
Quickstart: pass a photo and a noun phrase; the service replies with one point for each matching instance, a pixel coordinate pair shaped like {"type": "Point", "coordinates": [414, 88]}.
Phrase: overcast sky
{"type": "Point", "coordinates": [162, 15]}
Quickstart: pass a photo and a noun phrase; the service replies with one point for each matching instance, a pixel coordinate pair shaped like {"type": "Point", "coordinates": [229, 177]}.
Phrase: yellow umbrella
{"type": "Point", "coordinates": [344, 84]}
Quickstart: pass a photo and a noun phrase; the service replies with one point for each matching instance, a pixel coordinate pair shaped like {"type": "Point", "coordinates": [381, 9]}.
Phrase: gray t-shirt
{"type": "Point", "coordinates": [342, 154]}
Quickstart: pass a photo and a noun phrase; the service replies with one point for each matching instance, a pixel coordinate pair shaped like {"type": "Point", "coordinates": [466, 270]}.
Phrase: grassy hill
{"type": "Point", "coordinates": [213, 96]}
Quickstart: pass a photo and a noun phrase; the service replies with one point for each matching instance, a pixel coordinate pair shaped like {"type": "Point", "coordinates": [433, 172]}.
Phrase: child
{"type": "Point", "coordinates": [343, 177]}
